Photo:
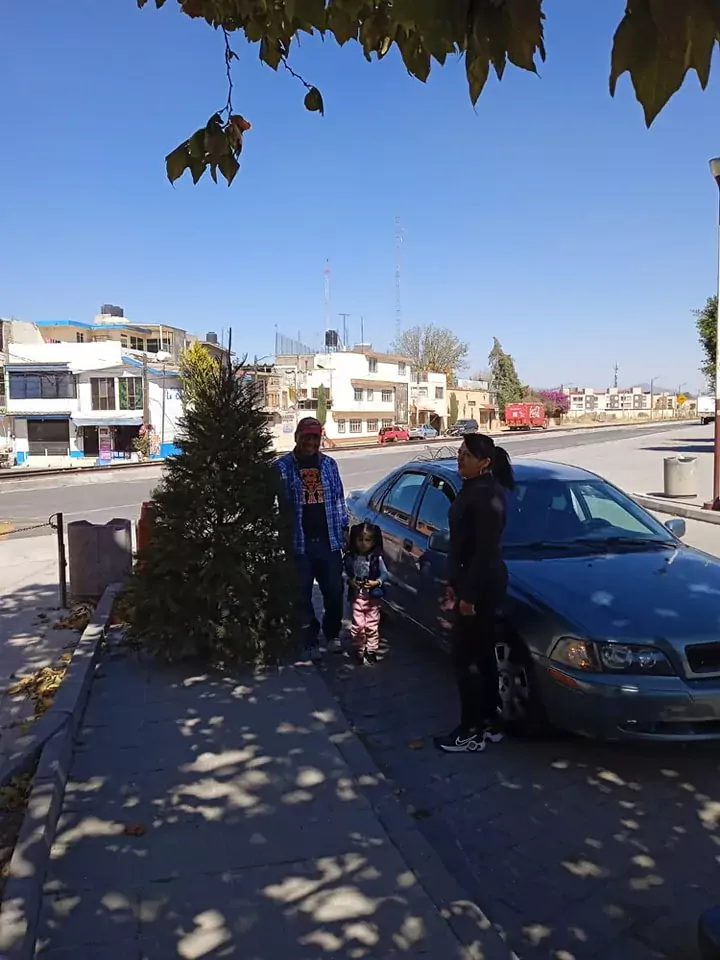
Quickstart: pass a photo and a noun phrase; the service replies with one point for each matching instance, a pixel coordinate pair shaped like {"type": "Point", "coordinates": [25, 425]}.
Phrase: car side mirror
{"type": "Point", "coordinates": [676, 526]}
{"type": "Point", "coordinates": [439, 542]}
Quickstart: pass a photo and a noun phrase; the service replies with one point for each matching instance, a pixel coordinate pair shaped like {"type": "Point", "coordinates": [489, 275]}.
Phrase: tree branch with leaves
{"type": "Point", "coordinates": [658, 42]}
{"type": "Point", "coordinates": [432, 349]}
{"type": "Point", "coordinates": [706, 323]}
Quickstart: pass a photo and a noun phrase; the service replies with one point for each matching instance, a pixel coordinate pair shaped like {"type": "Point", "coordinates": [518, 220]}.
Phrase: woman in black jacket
{"type": "Point", "coordinates": [477, 586]}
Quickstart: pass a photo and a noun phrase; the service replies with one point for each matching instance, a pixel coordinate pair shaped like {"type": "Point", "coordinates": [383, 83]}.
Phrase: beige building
{"type": "Point", "coordinates": [472, 405]}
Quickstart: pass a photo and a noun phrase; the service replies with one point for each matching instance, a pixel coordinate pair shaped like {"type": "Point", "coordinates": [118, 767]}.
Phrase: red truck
{"type": "Point", "coordinates": [525, 416]}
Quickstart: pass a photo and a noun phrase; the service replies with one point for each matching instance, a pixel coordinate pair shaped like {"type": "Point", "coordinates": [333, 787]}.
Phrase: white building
{"type": "Point", "coordinates": [364, 390]}
{"type": "Point", "coordinates": [428, 399]}
{"type": "Point", "coordinates": [615, 403]}
{"type": "Point", "coordinates": [76, 399]}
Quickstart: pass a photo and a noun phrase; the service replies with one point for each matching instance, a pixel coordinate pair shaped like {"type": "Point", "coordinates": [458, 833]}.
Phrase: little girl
{"type": "Point", "coordinates": [367, 575]}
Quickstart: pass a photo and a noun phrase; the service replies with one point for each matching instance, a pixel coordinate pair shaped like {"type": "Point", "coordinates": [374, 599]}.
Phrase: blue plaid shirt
{"type": "Point", "coordinates": [335, 509]}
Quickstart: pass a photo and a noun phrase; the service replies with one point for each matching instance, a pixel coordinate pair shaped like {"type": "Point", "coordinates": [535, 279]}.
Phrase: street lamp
{"type": "Point", "coordinates": [715, 505]}
{"type": "Point", "coordinates": [652, 400]}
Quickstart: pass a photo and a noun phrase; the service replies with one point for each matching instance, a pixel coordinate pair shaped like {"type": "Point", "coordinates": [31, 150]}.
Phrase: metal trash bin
{"type": "Point", "coordinates": [679, 479]}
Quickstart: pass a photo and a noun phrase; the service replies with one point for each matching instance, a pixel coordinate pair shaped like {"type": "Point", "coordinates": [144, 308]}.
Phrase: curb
{"type": "Point", "coordinates": [22, 898]}
{"type": "Point", "coordinates": [477, 938]}
{"type": "Point", "coordinates": [685, 510]}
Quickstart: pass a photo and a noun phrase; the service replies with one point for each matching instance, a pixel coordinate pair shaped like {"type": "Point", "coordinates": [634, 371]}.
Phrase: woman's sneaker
{"type": "Point", "coordinates": [492, 733]}
{"type": "Point", "coordinates": [461, 741]}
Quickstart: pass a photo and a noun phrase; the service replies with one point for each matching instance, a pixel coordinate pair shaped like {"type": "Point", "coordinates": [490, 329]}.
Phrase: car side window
{"type": "Point", "coordinates": [400, 500]}
{"type": "Point", "coordinates": [433, 515]}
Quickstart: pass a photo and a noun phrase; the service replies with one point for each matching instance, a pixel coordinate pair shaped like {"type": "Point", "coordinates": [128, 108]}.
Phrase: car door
{"type": "Point", "coordinates": [432, 517]}
{"type": "Point", "coordinates": [395, 517]}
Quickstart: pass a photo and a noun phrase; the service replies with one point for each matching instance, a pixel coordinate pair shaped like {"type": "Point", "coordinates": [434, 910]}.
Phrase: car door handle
{"type": "Point", "coordinates": [407, 545]}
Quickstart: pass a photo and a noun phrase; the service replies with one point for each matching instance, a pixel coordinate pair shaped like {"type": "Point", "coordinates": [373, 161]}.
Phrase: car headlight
{"type": "Point", "coordinates": [611, 657]}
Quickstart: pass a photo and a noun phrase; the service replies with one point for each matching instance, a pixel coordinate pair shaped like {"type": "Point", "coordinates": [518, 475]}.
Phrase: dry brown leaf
{"type": "Point", "coordinates": [134, 830]}
{"type": "Point", "coordinates": [416, 744]}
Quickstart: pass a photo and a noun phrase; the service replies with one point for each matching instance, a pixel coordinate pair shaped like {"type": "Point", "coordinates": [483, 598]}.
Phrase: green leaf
{"type": "Point", "coordinates": [176, 163]}
{"type": "Point", "coordinates": [314, 101]}
{"type": "Point", "coordinates": [342, 27]}
{"type": "Point", "coordinates": [213, 171]}
{"type": "Point", "coordinates": [477, 68]}
{"type": "Point", "coordinates": [524, 31]}
{"type": "Point", "coordinates": [271, 52]}
{"type": "Point", "coordinates": [310, 11]}
{"type": "Point", "coordinates": [228, 167]}
{"type": "Point", "coordinates": [196, 144]}
{"type": "Point", "coordinates": [197, 168]}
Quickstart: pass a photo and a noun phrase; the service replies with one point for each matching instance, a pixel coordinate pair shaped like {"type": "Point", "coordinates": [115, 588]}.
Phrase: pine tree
{"type": "Point", "coordinates": [506, 384]}
{"type": "Point", "coordinates": [215, 581]}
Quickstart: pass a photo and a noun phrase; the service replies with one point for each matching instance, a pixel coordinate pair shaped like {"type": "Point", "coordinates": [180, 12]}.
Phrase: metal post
{"type": "Point", "coordinates": [62, 562]}
{"type": "Point", "coordinates": [146, 393]}
{"type": "Point", "coordinates": [716, 445]}
{"type": "Point", "coordinates": [162, 425]}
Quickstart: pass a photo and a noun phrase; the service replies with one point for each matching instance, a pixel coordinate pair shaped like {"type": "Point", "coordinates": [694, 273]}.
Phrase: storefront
{"type": "Point", "coordinates": [101, 440]}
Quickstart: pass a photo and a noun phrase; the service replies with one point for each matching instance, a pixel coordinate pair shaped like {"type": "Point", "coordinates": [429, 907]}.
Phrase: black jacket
{"type": "Point", "coordinates": [477, 572]}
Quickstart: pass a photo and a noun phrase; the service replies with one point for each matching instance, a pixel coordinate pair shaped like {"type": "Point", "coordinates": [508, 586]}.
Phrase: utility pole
{"type": "Point", "coordinates": [398, 267]}
{"type": "Point", "coordinates": [146, 393]}
{"type": "Point", "coordinates": [328, 313]}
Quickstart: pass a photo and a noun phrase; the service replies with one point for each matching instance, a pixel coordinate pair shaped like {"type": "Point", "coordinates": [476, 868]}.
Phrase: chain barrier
{"type": "Point", "coordinates": [51, 522]}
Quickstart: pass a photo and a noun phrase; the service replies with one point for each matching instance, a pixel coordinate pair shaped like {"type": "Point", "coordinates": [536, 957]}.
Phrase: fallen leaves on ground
{"type": "Point", "coordinates": [13, 802]}
{"type": "Point", "coordinates": [14, 794]}
{"type": "Point", "coordinates": [42, 685]}
{"type": "Point", "coordinates": [77, 619]}
{"type": "Point", "coordinates": [416, 744]}
{"type": "Point", "coordinates": [134, 830]}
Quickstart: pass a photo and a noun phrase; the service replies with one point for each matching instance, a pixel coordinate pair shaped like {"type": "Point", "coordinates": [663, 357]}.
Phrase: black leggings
{"type": "Point", "coordinates": [473, 650]}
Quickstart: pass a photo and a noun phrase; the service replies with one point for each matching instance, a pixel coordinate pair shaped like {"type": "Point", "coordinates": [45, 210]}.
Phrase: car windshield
{"type": "Point", "coordinates": [557, 514]}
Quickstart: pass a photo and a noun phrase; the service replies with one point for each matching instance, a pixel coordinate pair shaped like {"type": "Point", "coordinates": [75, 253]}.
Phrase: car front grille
{"type": "Point", "coordinates": [703, 657]}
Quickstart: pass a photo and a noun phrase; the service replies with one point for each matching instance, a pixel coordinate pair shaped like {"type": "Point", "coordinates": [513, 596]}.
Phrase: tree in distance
{"type": "Point", "coordinates": [657, 42]}
{"type": "Point", "coordinates": [432, 349]}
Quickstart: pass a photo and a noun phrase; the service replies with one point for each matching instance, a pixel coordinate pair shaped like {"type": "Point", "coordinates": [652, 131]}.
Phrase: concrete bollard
{"type": "Point", "coordinates": [98, 555]}
{"type": "Point", "coordinates": [679, 478]}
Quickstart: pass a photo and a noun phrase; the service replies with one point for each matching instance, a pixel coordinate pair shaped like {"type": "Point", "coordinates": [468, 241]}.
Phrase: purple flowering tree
{"type": "Point", "coordinates": [556, 403]}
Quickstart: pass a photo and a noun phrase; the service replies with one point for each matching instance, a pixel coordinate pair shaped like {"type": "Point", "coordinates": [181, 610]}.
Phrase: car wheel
{"type": "Point", "coordinates": [521, 708]}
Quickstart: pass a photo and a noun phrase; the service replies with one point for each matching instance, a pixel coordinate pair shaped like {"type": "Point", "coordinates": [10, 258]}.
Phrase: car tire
{"type": "Point", "coordinates": [522, 710]}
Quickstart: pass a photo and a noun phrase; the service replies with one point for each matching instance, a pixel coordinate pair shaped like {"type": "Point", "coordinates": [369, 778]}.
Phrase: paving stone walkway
{"type": "Point", "coordinates": [573, 849]}
{"type": "Point", "coordinates": [207, 817]}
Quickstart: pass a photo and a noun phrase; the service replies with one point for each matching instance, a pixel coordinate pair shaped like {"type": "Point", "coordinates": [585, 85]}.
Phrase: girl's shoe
{"type": "Point", "coordinates": [371, 657]}
{"type": "Point", "coordinates": [461, 741]}
{"type": "Point", "coordinates": [358, 656]}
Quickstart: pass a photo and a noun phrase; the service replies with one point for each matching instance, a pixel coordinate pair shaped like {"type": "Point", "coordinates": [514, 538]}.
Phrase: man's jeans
{"type": "Point", "coordinates": [321, 563]}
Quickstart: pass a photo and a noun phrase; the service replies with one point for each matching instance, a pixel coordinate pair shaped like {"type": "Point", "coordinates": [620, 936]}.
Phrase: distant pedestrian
{"type": "Point", "coordinates": [367, 576]}
{"type": "Point", "coordinates": [314, 490]}
{"type": "Point", "coordinates": [478, 579]}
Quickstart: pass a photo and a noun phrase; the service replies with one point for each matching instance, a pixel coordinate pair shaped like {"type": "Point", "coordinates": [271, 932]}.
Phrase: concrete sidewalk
{"type": "Point", "coordinates": [29, 606]}
{"type": "Point", "coordinates": [208, 817]}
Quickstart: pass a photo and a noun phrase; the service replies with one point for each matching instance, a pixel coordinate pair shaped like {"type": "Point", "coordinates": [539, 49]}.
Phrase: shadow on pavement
{"type": "Point", "coordinates": [574, 849]}
{"type": "Point", "coordinates": [209, 815]}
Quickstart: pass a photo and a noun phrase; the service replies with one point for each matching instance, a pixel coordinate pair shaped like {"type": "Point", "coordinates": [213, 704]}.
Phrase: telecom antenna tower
{"type": "Point", "coordinates": [398, 268]}
{"type": "Point", "coordinates": [328, 313]}
{"type": "Point", "coordinates": [616, 370]}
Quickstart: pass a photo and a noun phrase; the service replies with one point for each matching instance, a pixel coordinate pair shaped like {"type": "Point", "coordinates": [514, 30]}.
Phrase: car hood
{"type": "Point", "coordinates": [642, 596]}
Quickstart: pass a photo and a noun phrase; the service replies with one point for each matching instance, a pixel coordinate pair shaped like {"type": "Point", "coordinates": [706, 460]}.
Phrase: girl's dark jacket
{"type": "Point", "coordinates": [477, 572]}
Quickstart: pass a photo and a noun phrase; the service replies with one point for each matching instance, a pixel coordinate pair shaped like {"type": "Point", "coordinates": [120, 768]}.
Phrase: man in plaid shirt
{"type": "Point", "coordinates": [315, 493]}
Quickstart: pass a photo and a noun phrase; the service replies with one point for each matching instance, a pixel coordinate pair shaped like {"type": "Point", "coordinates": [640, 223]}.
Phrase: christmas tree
{"type": "Point", "coordinates": [216, 579]}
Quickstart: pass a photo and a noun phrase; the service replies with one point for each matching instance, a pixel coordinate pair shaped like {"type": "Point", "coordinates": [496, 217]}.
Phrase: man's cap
{"type": "Point", "coordinates": [309, 425]}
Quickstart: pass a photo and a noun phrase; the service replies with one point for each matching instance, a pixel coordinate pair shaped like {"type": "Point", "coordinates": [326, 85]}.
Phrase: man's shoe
{"type": "Point", "coordinates": [334, 646]}
{"type": "Point", "coordinates": [313, 653]}
{"type": "Point", "coordinates": [461, 741]}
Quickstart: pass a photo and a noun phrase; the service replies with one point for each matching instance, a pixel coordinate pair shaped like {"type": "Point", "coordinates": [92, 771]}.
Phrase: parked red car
{"type": "Point", "coordinates": [524, 416]}
{"type": "Point", "coordinates": [393, 433]}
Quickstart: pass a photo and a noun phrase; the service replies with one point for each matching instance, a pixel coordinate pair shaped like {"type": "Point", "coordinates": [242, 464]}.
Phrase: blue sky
{"type": "Point", "coordinates": [548, 217]}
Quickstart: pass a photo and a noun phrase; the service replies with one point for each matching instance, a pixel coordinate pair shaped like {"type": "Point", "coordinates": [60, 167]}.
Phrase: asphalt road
{"type": "Point", "coordinates": [100, 497]}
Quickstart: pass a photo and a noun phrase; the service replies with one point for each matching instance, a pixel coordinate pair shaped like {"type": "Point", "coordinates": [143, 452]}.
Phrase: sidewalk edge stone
{"type": "Point", "coordinates": [686, 510]}
{"type": "Point", "coordinates": [22, 897]}
{"type": "Point", "coordinates": [477, 938]}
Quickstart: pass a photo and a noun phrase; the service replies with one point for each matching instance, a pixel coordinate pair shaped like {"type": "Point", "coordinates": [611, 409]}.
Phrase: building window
{"type": "Point", "coordinates": [371, 395]}
{"type": "Point", "coordinates": [439, 393]}
{"type": "Point", "coordinates": [137, 343]}
{"type": "Point", "coordinates": [387, 396]}
{"type": "Point", "coordinates": [341, 426]}
{"type": "Point", "coordinates": [401, 369]}
{"type": "Point", "coordinates": [102, 392]}
{"type": "Point", "coordinates": [42, 386]}
{"type": "Point", "coordinates": [356, 426]}
{"type": "Point", "coordinates": [79, 337]}
{"type": "Point", "coordinates": [315, 393]}
{"type": "Point", "coordinates": [422, 391]}
{"type": "Point", "coordinates": [130, 394]}
{"type": "Point", "coordinates": [167, 344]}
{"type": "Point", "coordinates": [357, 394]}
{"type": "Point", "coordinates": [123, 340]}
{"type": "Point", "coordinates": [471, 403]}
{"type": "Point", "coordinates": [2, 384]}
{"type": "Point", "coordinates": [387, 423]}
{"type": "Point", "coordinates": [372, 426]}
{"type": "Point", "coordinates": [153, 345]}
{"type": "Point", "coordinates": [372, 364]}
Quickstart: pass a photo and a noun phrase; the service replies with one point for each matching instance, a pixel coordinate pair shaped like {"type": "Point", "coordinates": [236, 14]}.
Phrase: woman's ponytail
{"type": "Point", "coordinates": [502, 468]}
